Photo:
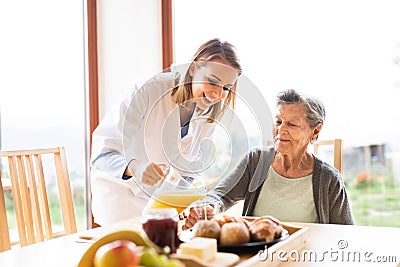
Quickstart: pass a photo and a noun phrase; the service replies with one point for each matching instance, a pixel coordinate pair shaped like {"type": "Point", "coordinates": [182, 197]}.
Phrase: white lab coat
{"type": "Point", "coordinates": [144, 126]}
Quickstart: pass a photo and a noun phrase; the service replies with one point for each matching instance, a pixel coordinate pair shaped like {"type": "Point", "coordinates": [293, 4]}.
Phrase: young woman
{"type": "Point", "coordinates": [162, 122]}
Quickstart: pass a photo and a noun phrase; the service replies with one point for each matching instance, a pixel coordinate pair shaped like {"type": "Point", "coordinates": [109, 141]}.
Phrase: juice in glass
{"type": "Point", "coordinates": [178, 200]}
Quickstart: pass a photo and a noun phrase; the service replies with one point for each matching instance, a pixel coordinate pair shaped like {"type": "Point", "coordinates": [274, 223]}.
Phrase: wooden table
{"type": "Point", "coordinates": [328, 245]}
{"type": "Point", "coordinates": [339, 245]}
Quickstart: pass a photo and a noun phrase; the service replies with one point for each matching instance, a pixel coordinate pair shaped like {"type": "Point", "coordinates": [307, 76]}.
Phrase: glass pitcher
{"type": "Point", "coordinates": [177, 191]}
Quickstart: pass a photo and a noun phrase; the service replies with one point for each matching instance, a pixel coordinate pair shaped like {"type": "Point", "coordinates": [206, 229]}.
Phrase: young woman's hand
{"type": "Point", "coordinates": [149, 173]}
{"type": "Point", "coordinates": [152, 174]}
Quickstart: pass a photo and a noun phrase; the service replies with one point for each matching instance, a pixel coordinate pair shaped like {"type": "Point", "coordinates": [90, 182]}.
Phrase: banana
{"type": "Point", "coordinates": [139, 238]}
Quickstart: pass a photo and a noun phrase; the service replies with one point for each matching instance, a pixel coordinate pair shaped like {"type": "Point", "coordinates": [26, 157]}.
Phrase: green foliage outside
{"type": "Point", "coordinates": [375, 196]}
{"type": "Point", "coordinates": [54, 206]}
{"type": "Point", "coordinates": [375, 201]}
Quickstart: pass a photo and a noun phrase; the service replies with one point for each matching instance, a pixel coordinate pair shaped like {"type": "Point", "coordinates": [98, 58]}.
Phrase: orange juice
{"type": "Point", "coordinates": [179, 201]}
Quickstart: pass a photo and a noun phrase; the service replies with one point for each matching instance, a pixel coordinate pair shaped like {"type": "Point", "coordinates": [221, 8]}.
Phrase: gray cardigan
{"type": "Point", "coordinates": [246, 181]}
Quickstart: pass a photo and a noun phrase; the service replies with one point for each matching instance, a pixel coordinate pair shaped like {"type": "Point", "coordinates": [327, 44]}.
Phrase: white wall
{"type": "Point", "coordinates": [129, 45]}
{"type": "Point", "coordinates": [342, 52]}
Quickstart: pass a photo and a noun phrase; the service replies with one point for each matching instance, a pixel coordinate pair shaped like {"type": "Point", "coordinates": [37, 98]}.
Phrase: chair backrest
{"type": "Point", "coordinates": [337, 151]}
{"type": "Point", "coordinates": [4, 234]}
{"type": "Point", "coordinates": [28, 186]}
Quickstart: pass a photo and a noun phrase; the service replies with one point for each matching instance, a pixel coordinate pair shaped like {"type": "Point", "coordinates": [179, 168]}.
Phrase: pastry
{"type": "Point", "coordinates": [234, 233]}
{"type": "Point", "coordinates": [209, 228]}
{"type": "Point", "coordinates": [223, 218]}
{"type": "Point", "coordinates": [265, 229]}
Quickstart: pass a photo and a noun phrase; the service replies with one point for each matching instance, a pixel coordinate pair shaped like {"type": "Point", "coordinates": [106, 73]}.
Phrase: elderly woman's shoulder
{"type": "Point", "coordinates": [261, 151]}
{"type": "Point", "coordinates": [326, 169]}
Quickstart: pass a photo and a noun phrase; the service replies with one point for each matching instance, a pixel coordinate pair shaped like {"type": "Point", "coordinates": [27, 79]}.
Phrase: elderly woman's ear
{"type": "Point", "coordinates": [316, 132]}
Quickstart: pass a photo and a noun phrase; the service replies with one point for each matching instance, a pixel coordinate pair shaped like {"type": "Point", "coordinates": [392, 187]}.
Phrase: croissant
{"type": "Point", "coordinates": [223, 219]}
{"type": "Point", "coordinates": [246, 222]}
{"type": "Point", "coordinates": [275, 220]}
{"type": "Point", "coordinates": [265, 229]}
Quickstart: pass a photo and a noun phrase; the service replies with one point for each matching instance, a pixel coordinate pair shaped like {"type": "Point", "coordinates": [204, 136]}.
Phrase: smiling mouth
{"type": "Point", "coordinates": [208, 100]}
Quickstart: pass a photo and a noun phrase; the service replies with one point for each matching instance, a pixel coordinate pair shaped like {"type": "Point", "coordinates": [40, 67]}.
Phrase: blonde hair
{"type": "Point", "coordinates": [212, 50]}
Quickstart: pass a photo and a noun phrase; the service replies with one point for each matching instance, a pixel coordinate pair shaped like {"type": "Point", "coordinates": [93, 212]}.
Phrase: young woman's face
{"type": "Point", "coordinates": [211, 82]}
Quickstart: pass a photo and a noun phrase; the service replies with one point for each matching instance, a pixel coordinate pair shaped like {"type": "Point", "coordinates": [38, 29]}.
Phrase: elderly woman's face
{"type": "Point", "coordinates": [292, 133]}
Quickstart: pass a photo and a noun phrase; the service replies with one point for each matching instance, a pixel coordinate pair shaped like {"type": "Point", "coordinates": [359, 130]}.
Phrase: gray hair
{"type": "Point", "coordinates": [315, 110]}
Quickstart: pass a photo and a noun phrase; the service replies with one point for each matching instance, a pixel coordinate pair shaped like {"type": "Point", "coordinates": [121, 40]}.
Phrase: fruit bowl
{"type": "Point", "coordinates": [151, 252]}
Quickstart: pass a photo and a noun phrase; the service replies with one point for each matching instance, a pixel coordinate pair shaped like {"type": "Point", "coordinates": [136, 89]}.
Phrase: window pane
{"type": "Point", "coordinates": [350, 62]}
{"type": "Point", "coordinates": [42, 83]}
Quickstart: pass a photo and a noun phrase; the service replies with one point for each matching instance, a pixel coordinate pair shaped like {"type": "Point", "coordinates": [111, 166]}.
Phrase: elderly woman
{"type": "Point", "coordinates": [287, 181]}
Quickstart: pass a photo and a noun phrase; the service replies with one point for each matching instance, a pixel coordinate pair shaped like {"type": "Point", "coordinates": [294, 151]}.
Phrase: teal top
{"type": "Point", "coordinates": [287, 199]}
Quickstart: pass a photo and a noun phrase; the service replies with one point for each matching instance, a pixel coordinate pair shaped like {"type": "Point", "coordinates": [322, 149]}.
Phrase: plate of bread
{"type": "Point", "coordinates": [238, 234]}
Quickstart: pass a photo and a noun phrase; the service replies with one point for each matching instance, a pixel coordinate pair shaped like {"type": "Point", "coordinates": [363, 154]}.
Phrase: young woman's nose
{"type": "Point", "coordinates": [218, 93]}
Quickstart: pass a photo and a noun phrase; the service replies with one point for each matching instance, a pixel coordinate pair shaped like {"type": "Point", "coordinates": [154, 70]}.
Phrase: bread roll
{"type": "Point", "coordinates": [209, 228]}
{"type": "Point", "coordinates": [234, 233]}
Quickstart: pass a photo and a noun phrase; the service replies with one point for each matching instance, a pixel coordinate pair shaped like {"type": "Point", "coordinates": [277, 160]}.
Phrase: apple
{"type": "Point", "coordinates": [150, 258]}
{"type": "Point", "coordinates": [119, 253]}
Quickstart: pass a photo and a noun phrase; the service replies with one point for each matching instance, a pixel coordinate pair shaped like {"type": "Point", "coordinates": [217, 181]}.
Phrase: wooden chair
{"type": "Point", "coordinates": [30, 195]}
{"type": "Point", "coordinates": [4, 234]}
{"type": "Point", "coordinates": [337, 151]}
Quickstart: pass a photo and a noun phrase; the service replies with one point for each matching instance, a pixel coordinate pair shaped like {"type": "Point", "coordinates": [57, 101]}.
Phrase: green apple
{"type": "Point", "coordinates": [119, 253]}
{"type": "Point", "coordinates": [150, 258]}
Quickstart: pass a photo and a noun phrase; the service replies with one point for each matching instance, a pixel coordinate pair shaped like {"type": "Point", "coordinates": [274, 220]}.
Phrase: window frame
{"type": "Point", "coordinates": [93, 80]}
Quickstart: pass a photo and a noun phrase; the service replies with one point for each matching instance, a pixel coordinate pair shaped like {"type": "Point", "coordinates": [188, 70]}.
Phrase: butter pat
{"type": "Point", "coordinates": [202, 247]}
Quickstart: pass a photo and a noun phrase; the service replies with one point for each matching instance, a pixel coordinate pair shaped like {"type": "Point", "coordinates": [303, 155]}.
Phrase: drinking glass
{"type": "Point", "coordinates": [206, 210]}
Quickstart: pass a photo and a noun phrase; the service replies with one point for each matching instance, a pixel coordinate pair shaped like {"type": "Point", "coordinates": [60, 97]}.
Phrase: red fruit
{"type": "Point", "coordinates": [119, 253]}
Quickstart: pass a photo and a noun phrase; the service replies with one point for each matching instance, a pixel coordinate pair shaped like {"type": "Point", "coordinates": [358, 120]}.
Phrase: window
{"type": "Point", "coordinates": [43, 85]}
{"type": "Point", "coordinates": [346, 54]}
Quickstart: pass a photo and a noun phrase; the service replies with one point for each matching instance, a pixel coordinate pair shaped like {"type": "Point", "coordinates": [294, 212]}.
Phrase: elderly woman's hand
{"type": "Point", "coordinates": [190, 219]}
{"type": "Point", "coordinates": [196, 213]}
